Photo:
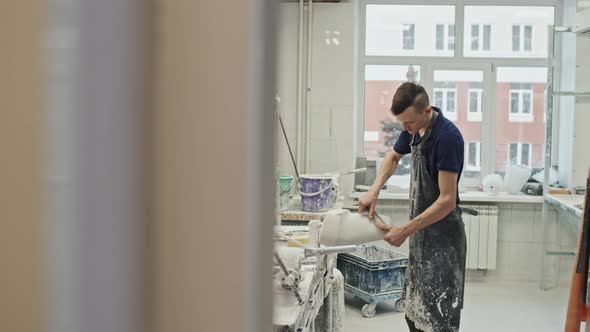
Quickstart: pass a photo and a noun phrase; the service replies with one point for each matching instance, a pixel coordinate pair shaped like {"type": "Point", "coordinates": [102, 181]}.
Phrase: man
{"type": "Point", "coordinates": [433, 290]}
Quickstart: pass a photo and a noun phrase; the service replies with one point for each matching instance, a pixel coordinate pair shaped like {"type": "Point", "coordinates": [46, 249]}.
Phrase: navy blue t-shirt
{"type": "Point", "coordinates": [444, 148]}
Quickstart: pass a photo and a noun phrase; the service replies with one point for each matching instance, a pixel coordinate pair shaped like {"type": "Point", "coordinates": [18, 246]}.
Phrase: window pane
{"type": "Point", "coordinates": [408, 36]}
{"type": "Point", "coordinates": [525, 154]}
{"type": "Point", "coordinates": [440, 36]}
{"type": "Point", "coordinates": [472, 160]}
{"type": "Point", "coordinates": [528, 38]}
{"type": "Point", "coordinates": [381, 82]}
{"type": "Point", "coordinates": [451, 101]}
{"type": "Point", "coordinates": [519, 127]}
{"type": "Point", "coordinates": [516, 38]}
{"type": "Point", "coordinates": [473, 102]}
{"type": "Point", "coordinates": [526, 102]}
{"type": "Point", "coordinates": [451, 37]}
{"type": "Point", "coordinates": [438, 99]}
{"type": "Point", "coordinates": [458, 83]}
{"type": "Point", "coordinates": [508, 24]}
{"type": "Point", "coordinates": [514, 100]}
{"type": "Point", "coordinates": [475, 37]}
{"type": "Point", "coordinates": [487, 37]}
{"type": "Point", "coordinates": [513, 153]}
{"type": "Point", "coordinates": [385, 33]}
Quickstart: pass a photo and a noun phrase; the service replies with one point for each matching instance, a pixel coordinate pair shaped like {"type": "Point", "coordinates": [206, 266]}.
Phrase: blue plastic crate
{"type": "Point", "coordinates": [373, 270]}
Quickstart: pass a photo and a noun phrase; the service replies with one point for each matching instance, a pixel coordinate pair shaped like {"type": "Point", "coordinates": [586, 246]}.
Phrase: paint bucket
{"type": "Point", "coordinates": [285, 185]}
{"type": "Point", "coordinates": [316, 192]}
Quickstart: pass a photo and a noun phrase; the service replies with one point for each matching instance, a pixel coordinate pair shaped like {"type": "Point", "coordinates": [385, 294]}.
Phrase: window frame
{"type": "Point", "coordinates": [521, 116]}
{"type": "Point", "coordinates": [457, 61]}
{"type": "Point", "coordinates": [477, 166]}
{"type": "Point", "coordinates": [521, 36]}
{"type": "Point", "coordinates": [519, 146]}
{"type": "Point", "coordinates": [446, 37]}
{"type": "Point", "coordinates": [481, 37]}
{"type": "Point", "coordinates": [413, 30]}
{"type": "Point", "coordinates": [445, 91]}
{"type": "Point", "coordinates": [475, 116]}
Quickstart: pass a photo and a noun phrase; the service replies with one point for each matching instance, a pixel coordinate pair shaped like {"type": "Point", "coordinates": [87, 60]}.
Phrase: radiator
{"type": "Point", "coordinates": [482, 237]}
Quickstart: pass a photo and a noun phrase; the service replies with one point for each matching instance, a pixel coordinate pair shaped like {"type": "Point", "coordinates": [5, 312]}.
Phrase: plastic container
{"type": "Point", "coordinates": [374, 270]}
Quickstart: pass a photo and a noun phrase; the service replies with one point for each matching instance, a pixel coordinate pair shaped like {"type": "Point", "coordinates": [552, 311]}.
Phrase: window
{"type": "Point", "coordinates": [507, 31]}
{"type": "Point", "coordinates": [444, 98]}
{"type": "Point", "coordinates": [445, 37]}
{"type": "Point", "coordinates": [475, 104]}
{"type": "Point", "coordinates": [408, 30]}
{"type": "Point", "coordinates": [473, 156]}
{"type": "Point", "coordinates": [521, 102]}
{"type": "Point", "coordinates": [522, 38]}
{"type": "Point", "coordinates": [414, 42]}
{"type": "Point", "coordinates": [519, 116]}
{"type": "Point", "coordinates": [481, 37]}
{"type": "Point", "coordinates": [381, 130]}
{"type": "Point", "coordinates": [520, 154]}
{"type": "Point", "coordinates": [408, 37]}
{"type": "Point", "coordinates": [450, 93]}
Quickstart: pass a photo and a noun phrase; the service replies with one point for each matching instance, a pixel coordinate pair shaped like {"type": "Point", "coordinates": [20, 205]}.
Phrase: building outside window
{"type": "Point", "coordinates": [481, 37]}
{"type": "Point", "coordinates": [495, 98]}
{"type": "Point", "coordinates": [445, 37]}
{"type": "Point", "coordinates": [408, 36]}
{"type": "Point", "coordinates": [475, 104]}
{"type": "Point", "coordinates": [473, 156]}
{"type": "Point", "coordinates": [520, 154]}
{"type": "Point", "coordinates": [522, 38]}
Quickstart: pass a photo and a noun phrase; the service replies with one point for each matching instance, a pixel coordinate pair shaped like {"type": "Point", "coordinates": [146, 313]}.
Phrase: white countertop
{"type": "Point", "coordinates": [570, 203]}
{"type": "Point", "coordinates": [469, 196]}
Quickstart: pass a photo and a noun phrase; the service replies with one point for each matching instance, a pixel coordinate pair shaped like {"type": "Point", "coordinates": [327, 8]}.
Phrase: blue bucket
{"type": "Point", "coordinates": [316, 192]}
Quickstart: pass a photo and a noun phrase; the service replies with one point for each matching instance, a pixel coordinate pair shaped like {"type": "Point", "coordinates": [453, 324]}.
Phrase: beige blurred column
{"type": "Point", "coordinates": [21, 95]}
{"type": "Point", "coordinates": [213, 128]}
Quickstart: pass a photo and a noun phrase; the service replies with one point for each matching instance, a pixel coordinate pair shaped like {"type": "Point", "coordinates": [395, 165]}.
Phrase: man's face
{"type": "Point", "coordinates": [413, 121]}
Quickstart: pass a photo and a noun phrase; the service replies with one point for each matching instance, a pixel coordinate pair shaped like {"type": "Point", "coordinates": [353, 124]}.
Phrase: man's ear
{"type": "Point", "coordinates": [428, 110]}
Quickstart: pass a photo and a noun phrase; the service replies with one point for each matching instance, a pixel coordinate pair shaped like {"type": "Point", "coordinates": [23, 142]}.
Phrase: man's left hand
{"type": "Point", "coordinates": [395, 235]}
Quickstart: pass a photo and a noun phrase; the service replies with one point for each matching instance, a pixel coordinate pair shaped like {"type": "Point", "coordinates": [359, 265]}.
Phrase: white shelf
{"type": "Point", "coordinates": [470, 196]}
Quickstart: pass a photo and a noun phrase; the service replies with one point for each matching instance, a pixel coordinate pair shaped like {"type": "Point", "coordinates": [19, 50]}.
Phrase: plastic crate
{"type": "Point", "coordinates": [373, 270]}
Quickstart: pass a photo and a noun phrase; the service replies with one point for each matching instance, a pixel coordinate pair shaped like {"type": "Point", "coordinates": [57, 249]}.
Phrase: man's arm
{"type": "Point", "coordinates": [388, 167]}
{"type": "Point", "coordinates": [445, 204]}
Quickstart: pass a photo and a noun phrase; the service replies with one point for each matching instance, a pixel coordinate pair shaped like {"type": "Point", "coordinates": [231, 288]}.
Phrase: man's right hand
{"type": "Point", "coordinates": [368, 201]}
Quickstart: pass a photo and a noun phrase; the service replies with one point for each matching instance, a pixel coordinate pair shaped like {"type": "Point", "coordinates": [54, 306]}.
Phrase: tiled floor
{"type": "Point", "coordinates": [489, 307]}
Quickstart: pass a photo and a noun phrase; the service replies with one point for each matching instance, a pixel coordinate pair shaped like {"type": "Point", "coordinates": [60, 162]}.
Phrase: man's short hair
{"type": "Point", "coordinates": [407, 95]}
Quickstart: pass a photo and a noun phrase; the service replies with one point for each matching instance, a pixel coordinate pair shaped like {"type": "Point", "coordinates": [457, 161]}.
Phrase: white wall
{"type": "Point", "coordinates": [287, 83]}
{"type": "Point", "coordinates": [332, 135]}
{"type": "Point", "coordinates": [331, 123]}
{"type": "Point", "coordinates": [564, 117]}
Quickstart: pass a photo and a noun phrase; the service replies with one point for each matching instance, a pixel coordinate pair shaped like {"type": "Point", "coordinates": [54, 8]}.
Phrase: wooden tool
{"type": "Point", "coordinates": [577, 309]}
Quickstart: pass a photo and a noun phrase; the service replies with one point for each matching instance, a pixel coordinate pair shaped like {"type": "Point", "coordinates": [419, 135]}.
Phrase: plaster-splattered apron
{"type": "Point", "coordinates": [433, 291]}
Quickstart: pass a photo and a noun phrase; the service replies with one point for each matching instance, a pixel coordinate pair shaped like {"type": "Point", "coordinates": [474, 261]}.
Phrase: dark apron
{"type": "Point", "coordinates": [435, 277]}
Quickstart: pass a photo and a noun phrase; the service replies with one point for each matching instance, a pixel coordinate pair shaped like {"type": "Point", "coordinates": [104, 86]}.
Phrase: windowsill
{"type": "Point", "coordinates": [451, 116]}
{"type": "Point", "coordinates": [520, 118]}
{"type": "Point", "coordinates": [474, 116]}
{"type": "Point", "coordinates": [468, 196]}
